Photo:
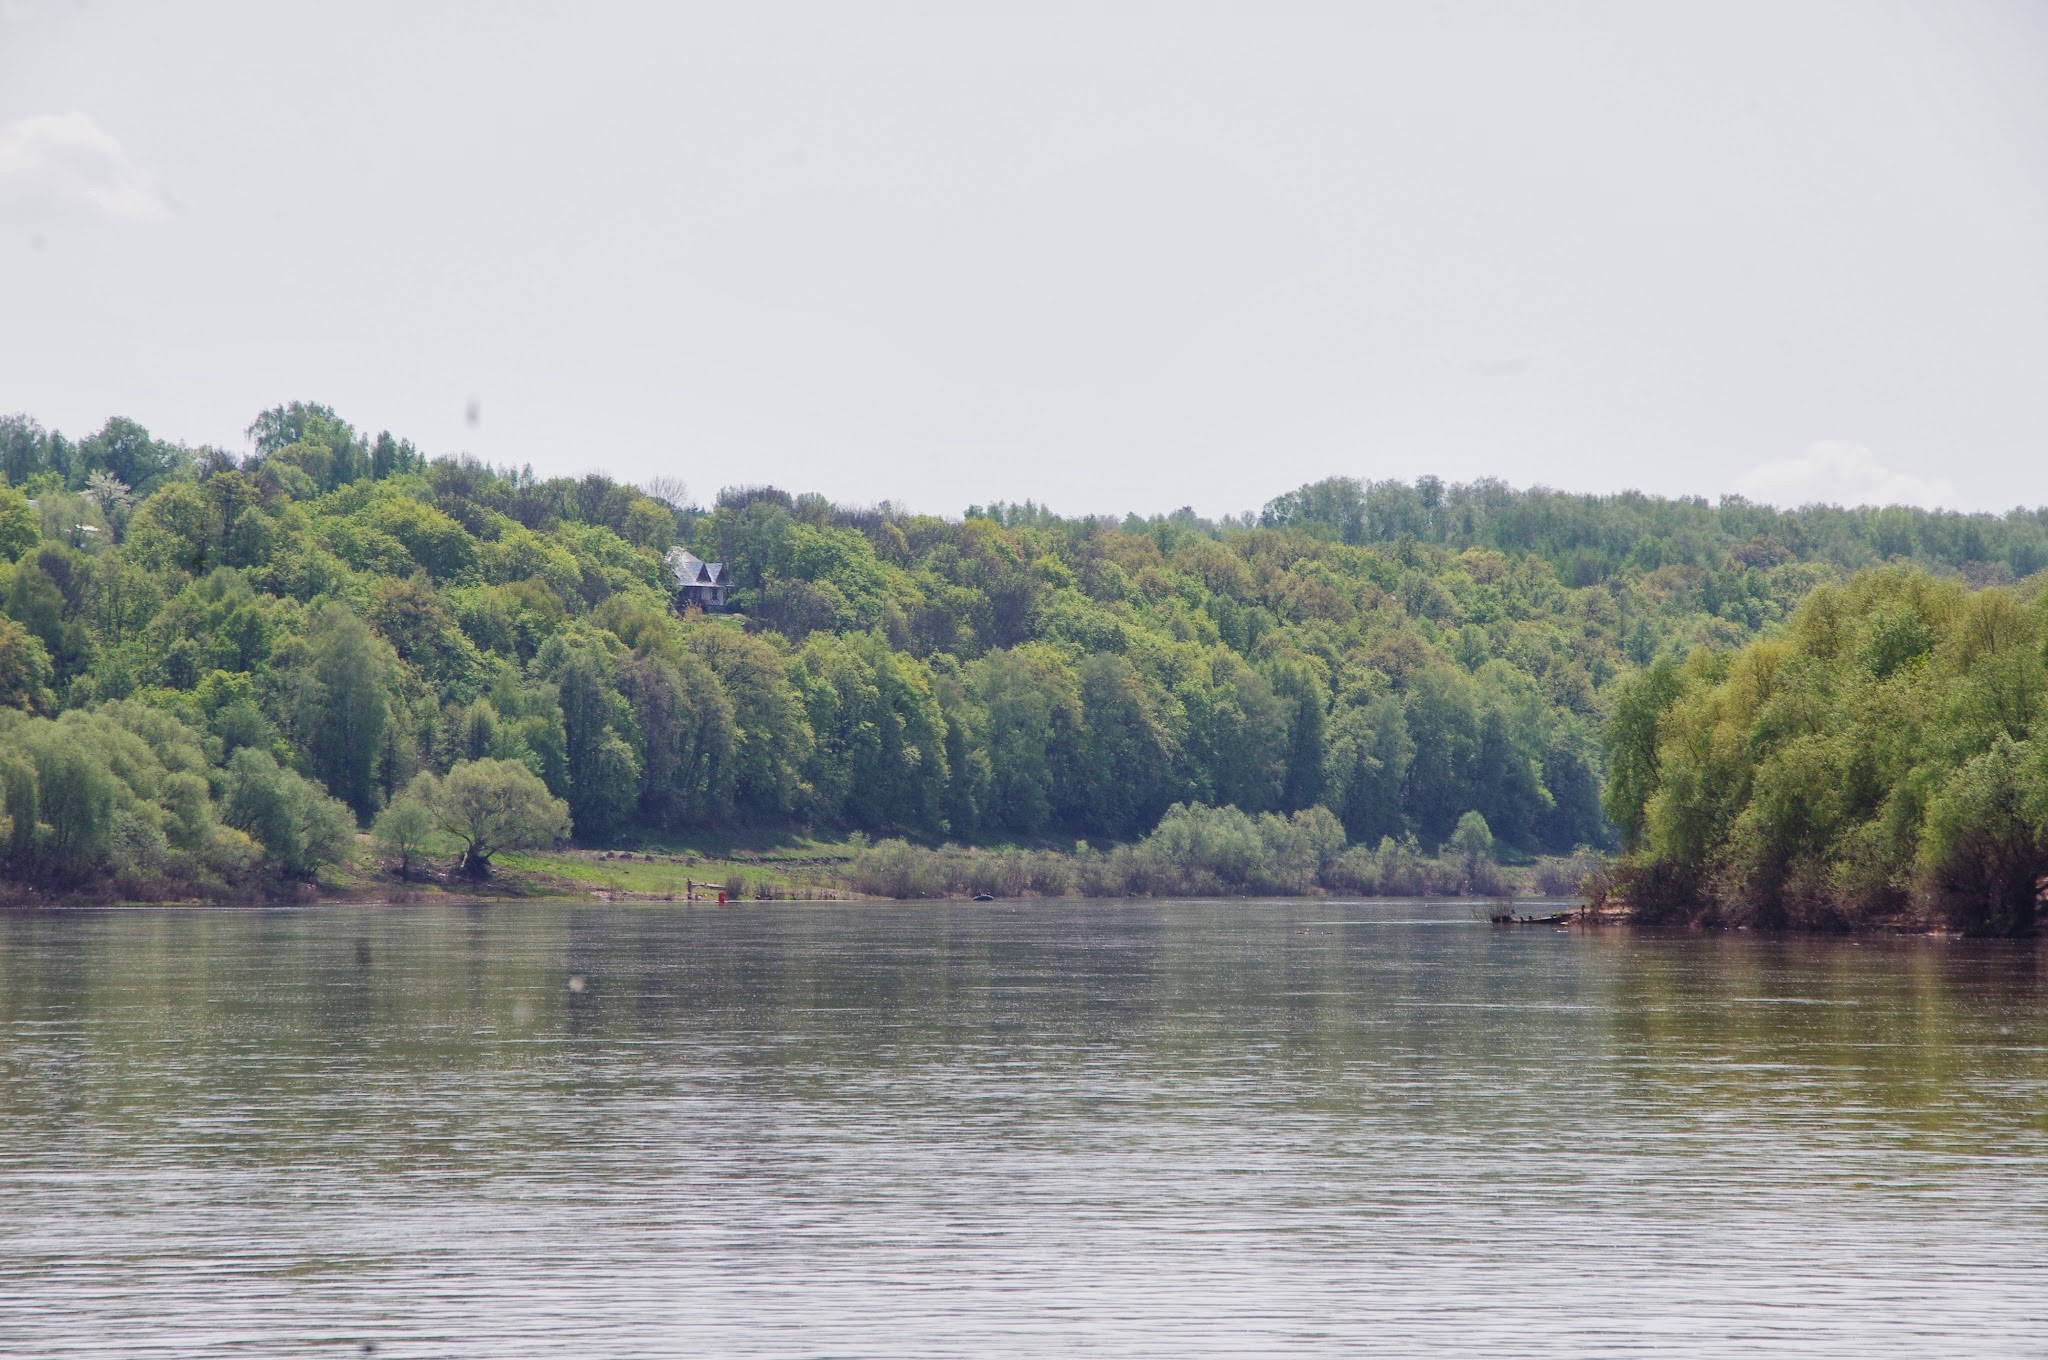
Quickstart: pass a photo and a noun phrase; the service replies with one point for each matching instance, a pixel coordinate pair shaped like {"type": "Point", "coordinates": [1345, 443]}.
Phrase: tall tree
{"type": "Point", "coordinates": [1297, 685]}
{"type": "Point", "coordinates": [604, 770]}
{"type": "Point", "coordinates": [344, 707]}
{"type": "Point", "coordinates": [686, 735]}
{"type": "Point", "coordinates": [1367, 766]}
{"type": "Point", "coordinates": [1128, 756]}
{"type": "Point", "coordinates": [1631, 736]}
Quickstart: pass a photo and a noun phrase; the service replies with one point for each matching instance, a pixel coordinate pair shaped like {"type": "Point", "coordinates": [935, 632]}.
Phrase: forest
{"type": "Point", "coordinates": [216, 669]}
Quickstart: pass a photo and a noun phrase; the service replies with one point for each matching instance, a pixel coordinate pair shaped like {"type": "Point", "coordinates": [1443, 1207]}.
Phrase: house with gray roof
{"type": "Point", "coordinates": [697, 582]}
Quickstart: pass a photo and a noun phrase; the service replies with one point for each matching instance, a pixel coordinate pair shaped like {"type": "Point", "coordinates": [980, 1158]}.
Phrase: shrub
{"type": "Point", "coordinates": [1402, 870]}
{"type": "Point", "coordinates": [1568, 876]}
{"type": "Point", "coordinates": [1195, 850]}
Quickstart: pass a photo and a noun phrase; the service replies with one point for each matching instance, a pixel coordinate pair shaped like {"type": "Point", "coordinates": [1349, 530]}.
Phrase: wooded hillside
{"type": "Point", "coordinates": [331, 614]}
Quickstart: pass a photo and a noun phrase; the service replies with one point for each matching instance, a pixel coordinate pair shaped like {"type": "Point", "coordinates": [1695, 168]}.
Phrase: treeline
{"type": "Point", "coordinates": [1596, 538]}
{"type": "Point", "coordinates": [1885, 759]}
{"type": "Point", "coordinates": [337, 609]}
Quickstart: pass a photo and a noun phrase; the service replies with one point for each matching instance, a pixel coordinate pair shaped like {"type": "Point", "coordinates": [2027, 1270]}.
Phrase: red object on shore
{"type": "Point", "coordinates": [721, 899]}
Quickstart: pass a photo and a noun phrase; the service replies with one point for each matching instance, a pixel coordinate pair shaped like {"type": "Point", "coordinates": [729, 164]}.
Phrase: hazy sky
{"type": "Point", "coordinates": [1105, 256]}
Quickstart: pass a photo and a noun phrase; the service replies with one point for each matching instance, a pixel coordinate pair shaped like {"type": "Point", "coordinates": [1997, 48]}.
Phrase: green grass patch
{"type": "Point", "coordinates": [656, 874]}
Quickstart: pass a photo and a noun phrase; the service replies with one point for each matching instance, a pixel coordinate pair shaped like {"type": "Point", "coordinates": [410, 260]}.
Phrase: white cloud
{"type": "Point", "coordinates": [53, 162]}
{"type": "Point", "coordinates": [1835, 472]}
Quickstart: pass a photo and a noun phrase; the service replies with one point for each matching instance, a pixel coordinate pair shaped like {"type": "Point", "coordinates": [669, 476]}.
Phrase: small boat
{"type": "Point", "coordinates": [984, 897]}
{"type": "Point", "coordinates": [1508, 918]}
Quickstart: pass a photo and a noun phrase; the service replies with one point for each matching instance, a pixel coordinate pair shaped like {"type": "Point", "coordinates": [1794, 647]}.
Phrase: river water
{"type": "Point", "coordinates": [1111, 1128]}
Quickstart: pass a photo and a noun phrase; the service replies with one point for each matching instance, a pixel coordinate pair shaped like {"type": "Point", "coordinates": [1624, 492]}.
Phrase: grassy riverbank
{"type": "Point", "coordinates": [795, 869]}
{"type": "Point", "coordinates": [1196, 852]}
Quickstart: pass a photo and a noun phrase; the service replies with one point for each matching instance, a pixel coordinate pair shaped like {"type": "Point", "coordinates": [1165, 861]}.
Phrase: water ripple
{"type": "Point", "coordinates": [1165, 1129]}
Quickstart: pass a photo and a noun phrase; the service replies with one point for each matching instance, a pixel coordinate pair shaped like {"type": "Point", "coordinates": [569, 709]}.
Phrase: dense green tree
{"type": "Point", "coordinates": [343, 706]}
{"type": "Point", "coordinates": [1035, 736]}
{"type": "Point", "coordinates": [410, 615]}
{"type": "Point", "coordinates": [1235, 748]}
{"type": "Point", "coordinates": [1127, 757]}
{"type": "Point", "coordinates": [491, 806]}
{"type": "Point", "coordinates": [1301, 689]}
{"type": "Point", "coordinates": [46, 595]}
{"type": "Point", "coordinates": [25, 670]}
{"type": "Point", "coordinates": [879, 752]}
{"type": "Point", "coordinates": [120, 791]}
{"type": "Point", "coordinates": [1878, 760]}
{"type": "Point", "coordinates": [1444, 723]}
{"type": "Point", "coordinates": [1639, 702]}
{"type": "Point", "coordinates": [1366, 765]}
{"type": "Point", "coordinates": [1506, 777]}
{"type": "Point", "coordinates": [300, 828]}
{"type": "Point", "coordinates": [25, 450]}
{"type": "Point", "coordinates": [1985, 849]}
{"type": "Point", "coordinates": [20, 527]}
{"type": "Point", "coordinates": [597, 727]}
{"type": "Point", "coordinates": [1470, 844]}
{"type": "Point", "coordinates": [685, 721]}
{"type": "Point", "coordinates": [970, 774]}
{"type": "Point", "coordinates": [772, 736]}
{"type": "Point", "coordinates": [74, 796]}
{"type": "Point", "coordinates": [314, 439]}
{"type": "Point", "coordinates": [23, 806]}
{"type": "Point", "coordinates": [125, 450]}
{"type": "Point", "coordinates": [1573, 817]}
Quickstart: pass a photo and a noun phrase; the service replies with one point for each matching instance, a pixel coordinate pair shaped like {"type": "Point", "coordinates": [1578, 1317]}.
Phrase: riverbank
{"type": "Point", "coordinates": [1201, 860]}
{"type": "Point", "coordinates": [1200, 853]}
{"type": "Point", "coordinates": [814, 874]}
{"type": "Point", "coordinates": [776, 869]}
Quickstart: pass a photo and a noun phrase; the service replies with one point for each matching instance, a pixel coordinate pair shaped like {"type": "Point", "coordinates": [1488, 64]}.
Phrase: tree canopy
{"type": "Point", "coordinates": [489, 806]}
{"type": "Point", "coordinates": [1886, 756]}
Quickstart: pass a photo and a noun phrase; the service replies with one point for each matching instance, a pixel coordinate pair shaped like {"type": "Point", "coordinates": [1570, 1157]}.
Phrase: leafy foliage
{"type": "Point", "coordinates": [405, 832]}
{"type": "Point", "coordinates": [300, 828]}
{"type": "Point", "coordinates": [487, 805]}
{"type": "Point", "coordinates": [1884, 757]}
{"type": "Point", "coordinates": [120, 793]}
{"type": "Point", "coordinates": [1400, 657]}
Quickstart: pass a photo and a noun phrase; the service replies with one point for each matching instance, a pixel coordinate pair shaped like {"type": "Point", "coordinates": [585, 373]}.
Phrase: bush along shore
{"type": "Point", "coordinates": [1199, 851]}
{"type": "Point", "coordinates": [330, 664]}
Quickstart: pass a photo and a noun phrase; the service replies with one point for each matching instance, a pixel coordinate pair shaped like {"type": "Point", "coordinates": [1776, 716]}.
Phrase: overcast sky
{"type": "Point", "coordinates": [1104, 256]}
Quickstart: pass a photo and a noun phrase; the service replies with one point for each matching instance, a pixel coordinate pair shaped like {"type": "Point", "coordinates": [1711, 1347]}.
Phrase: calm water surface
{"type": "Point", "coordinates": [1161, 1129]}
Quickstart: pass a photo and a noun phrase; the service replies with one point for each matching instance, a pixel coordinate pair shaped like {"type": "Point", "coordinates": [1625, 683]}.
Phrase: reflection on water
{"type": "Point", "coordinates": [1164, 1129]}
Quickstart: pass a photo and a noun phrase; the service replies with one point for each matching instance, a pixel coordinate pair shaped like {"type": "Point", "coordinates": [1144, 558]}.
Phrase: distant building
{"type": "Point", "coordinates": [698, 582]}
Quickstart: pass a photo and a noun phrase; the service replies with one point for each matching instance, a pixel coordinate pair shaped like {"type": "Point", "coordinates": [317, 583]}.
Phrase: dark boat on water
{"type": "Point", "coordinates": [1508, 918]}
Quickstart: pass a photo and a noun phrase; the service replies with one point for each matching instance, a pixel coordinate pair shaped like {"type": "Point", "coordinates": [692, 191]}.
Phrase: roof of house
{"type": "Point", "coordinates": [692, 570]}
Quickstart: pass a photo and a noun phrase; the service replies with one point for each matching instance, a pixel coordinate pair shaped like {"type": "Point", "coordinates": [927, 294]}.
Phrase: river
{"type": "Point", "coordinates": [1150, 1129]}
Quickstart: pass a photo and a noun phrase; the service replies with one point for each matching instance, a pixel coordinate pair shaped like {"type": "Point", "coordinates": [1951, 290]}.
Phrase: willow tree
{"type": "Point", "coordinates": [491, 806]}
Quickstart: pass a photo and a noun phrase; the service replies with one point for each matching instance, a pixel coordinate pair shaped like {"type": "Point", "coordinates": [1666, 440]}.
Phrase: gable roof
{"type": "Point", "coordinates": [691, 570]}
